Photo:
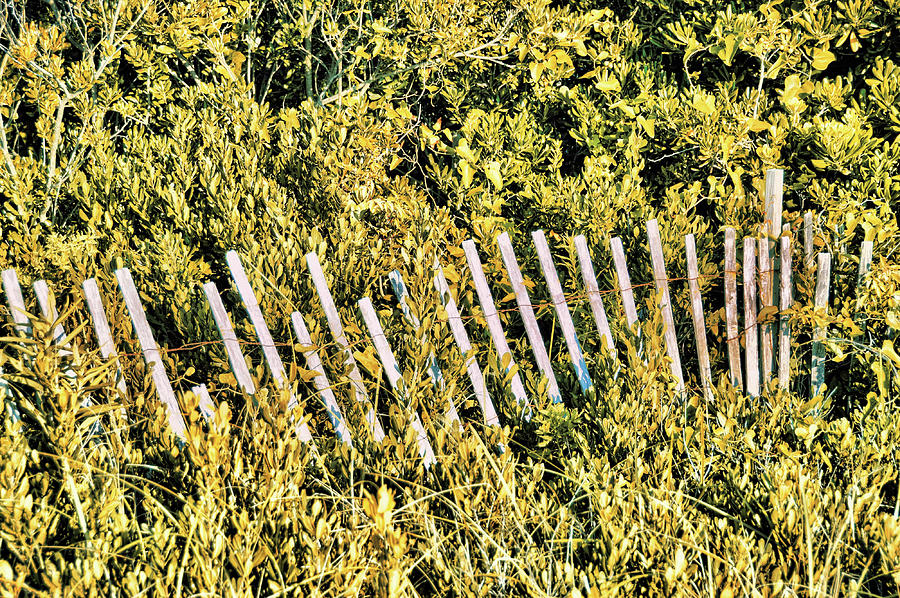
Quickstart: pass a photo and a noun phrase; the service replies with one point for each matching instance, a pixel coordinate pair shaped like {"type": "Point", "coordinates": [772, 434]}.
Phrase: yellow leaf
{"type": "Point", "coordinates": [493, 174]}
{"type": "Point", "coordinates": [466, 172]}
{"type": "Point", "coordinates": [758, 125]}
{"type": "Point", "coordinates": [395, 162]}
{"type": "Point", "coordinates": [704, 103]}
{"type": "Point", "coordinates": [369, 361]}
{"type": "Point", "coordinates": [648, 124]}
{"type": "Point", "coordinates": [887, 349]}
{"type": "Point", "coordinates": [821, 58]}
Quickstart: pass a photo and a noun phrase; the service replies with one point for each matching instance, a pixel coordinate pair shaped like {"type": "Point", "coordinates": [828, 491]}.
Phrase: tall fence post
{"type": "Point", "coordinates": [787, 299]}
{"type": "Point", "coordinates": [229, 339]}
{"type": "Point", "coordinates": [625, 289]}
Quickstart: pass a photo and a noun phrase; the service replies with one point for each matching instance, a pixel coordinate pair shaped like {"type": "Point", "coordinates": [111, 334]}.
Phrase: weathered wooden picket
{"type": "Point", "coordinates": [766, 331]}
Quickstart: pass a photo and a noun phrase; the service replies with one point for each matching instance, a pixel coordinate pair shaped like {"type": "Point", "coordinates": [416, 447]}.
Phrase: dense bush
{"type": "Point", "coordinates": [158, 135]}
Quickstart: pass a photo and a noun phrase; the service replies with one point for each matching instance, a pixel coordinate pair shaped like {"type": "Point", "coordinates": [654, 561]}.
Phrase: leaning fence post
{"type": "Point", "coordinates": [808, 239]}
{"type": "Point", "coordinates": [337, 331]}
{"type": "Point", "coordinates": [229, 338]}
{"type": "Point", "coordinates": [269, 349]}
{"type": "Point", "coordinates": [593, 293]}
{"type": "Point", "coordinates": [665, 301]}
{"type": "Point", "coordinates": [434, 370]}
{"type": "Point", "coordinates": [618, 253]}
{"type": "Point", "coordinates": [392, 370]}
{"type": "Point", "coordinates": [314, 362]}
{"type": "Point", "coordinates": [528, 318]}
{"type": "Point", "coordinates": [774, 200]}
{"type": "Point", "coordinates": [787, 298]}
{"type": "Point", "coordinates": [562, 310]}
{"type": "Point", "coordinates": [101, 330]}
{"type": "Point", "coordinates": [823, 279]}
{"type": "Point", "coordinates": [494, 326]}
{"type": "Point", "coordinates": [465, 347]}
{"type": "Point", "coordinates": [732, 331]}
{"type": "Point", "coordinates": [751, 349]}
{"type": "Point", "coordinates": [690, 248]}
{"type": "Point", "coordinates": [151, 352]}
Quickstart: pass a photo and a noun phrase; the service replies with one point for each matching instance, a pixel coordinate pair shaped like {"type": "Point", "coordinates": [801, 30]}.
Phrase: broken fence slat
{"type": "Point", "coordinates": [690, 247]}
{"type": "Point", "coordinates": [786, 298]}
{"type": "Point", "coordinates": [337, 332]}
{"type": "Point", "coordinates": [204, 402]}
{"type": "Point", "coordinates": [732, 329]}
{"type": "Point", "coordinates": [101, 329]}
{"type": "Point", "coordinates": [465, 347]}
{"type": "Point", "coordinates": [751, 348]}
{"type": "Point", "coordinates": [665, 301]}
{"type": "Point", "coordinates": [766, 297]}
{"type": "Point", "coordinates": [808, 239]}
{"type": "Point", "coordinates": [151, 352]}
{"type": "Point", "coordinates": [820, 301]}
{"type": "Point", "coordinates": [320, 381]}
{"type": "Point", "coordinates": [270, 351]}
{"type": "Point", "coordinates": [528, 318]}
{"type": "Point", "coordinates": [229, 339]}
{"type": "Point", "coordinates": [495, 327]}
{"type": "Point", "coordinates": [618, 253]}
{"type": "Point", "coordinates": [16, 302]}
{"type": "Point", "coordinates": [562, 311]}
{"type": "Point", "coordinates": [593, 293]}
{"type": "Point", "coordinates": [392, 370]}
{"type": "Point", "coordinates": [22, 325]}
{"type": "Point", "coordinates": [434, 370]}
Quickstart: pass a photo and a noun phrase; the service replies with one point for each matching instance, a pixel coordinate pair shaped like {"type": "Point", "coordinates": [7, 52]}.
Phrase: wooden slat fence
{"type": "Point", "coordinates": [765, 274]}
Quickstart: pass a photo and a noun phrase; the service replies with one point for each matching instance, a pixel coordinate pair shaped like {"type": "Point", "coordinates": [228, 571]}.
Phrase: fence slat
{"type": "Point", "coordinates": [665, 301]}
{"type": "Point", "coordinates": [48, 310]}
{"type": "Point", "coordinates": [16, 302]}
{"type": "Point", "coordinates": [732, 330]}
{"type": "Point", "coordinates": [337, 332]}
{"type": "Point", "coordinates": [787, 299]}
{"type": "Point", "coordinates": [774, 199]}
{"type": "Point", "coordinates": [434, 370]}
{"type": "Point", "coordinates": [392, 370]}
{"type": "Point", "coordinates": [22, 325]}
{"type": "Point", "coordinates": [314, 363]}
{"type": "Point", "coordinates": [270, 351]}
{"type": "Point", "coordinates": [528, 317]}
{"type": "Point", "coordinates": [151, 352]}
{"type": "Point", "coordinates": [229, 338]}
{"type": "Point", "coordinates": [823, 281]}
{"type": "Point", "coordinates": [465, 347]}
{"type": "Point", "coordinates": [102, 331]}
{"type": "Point", "coordinates": [690, 248]}
{"type": "Point", "coordinates": [495, 327]}
{"type": "Point", "coordinates": [205, 402]}
{"type": "Point", "coordinates": [751, 343]}
{"type": "Point", "coordinates": [865, 263]}
{"type": "Point", "coordinates": [766, 284]}
{"type": "Point", "coordinates": [562, 310]}
{"type": "Point", "coordinates": [593, 293]}
{"type": "Point", "coordinates": [618, 253]}
{"type": "Point", "coordinates": [808, 239]}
